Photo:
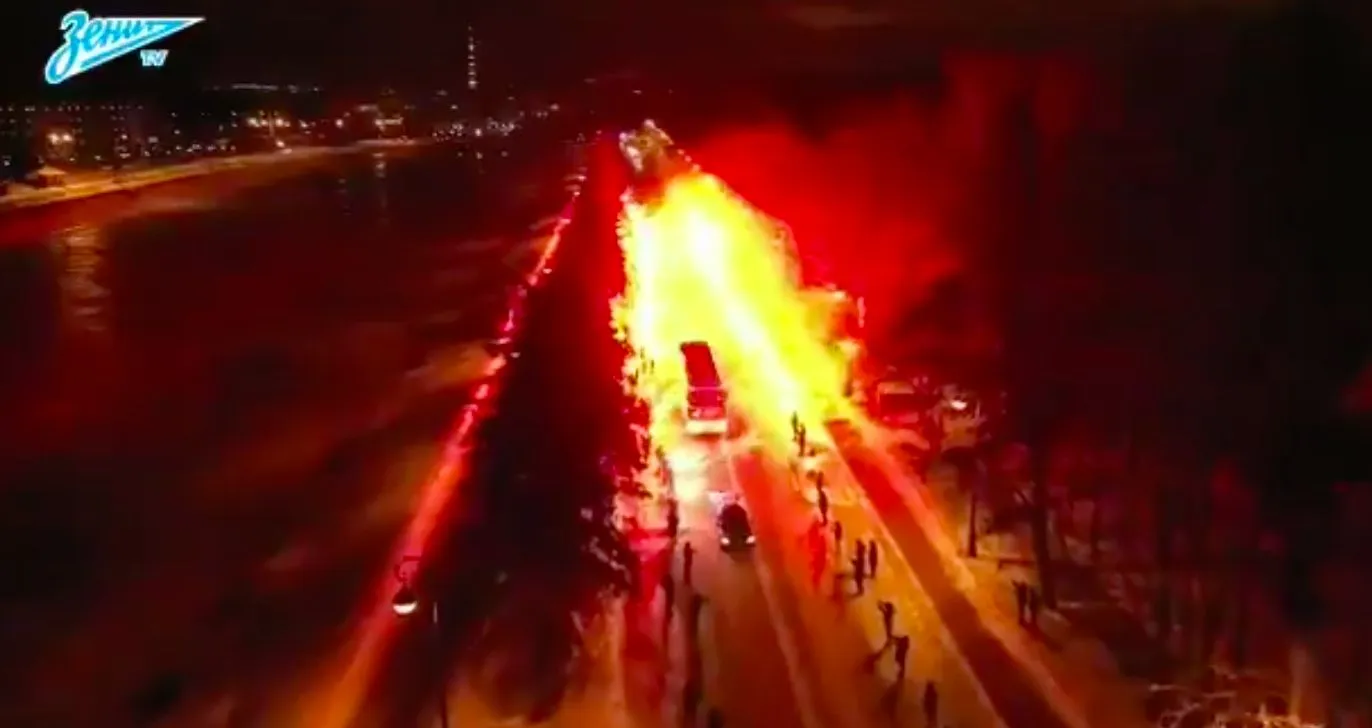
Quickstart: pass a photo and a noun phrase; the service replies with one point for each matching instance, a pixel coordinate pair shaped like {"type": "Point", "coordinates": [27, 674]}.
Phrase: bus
{"type": "Point", "coordinates": [707, 409]}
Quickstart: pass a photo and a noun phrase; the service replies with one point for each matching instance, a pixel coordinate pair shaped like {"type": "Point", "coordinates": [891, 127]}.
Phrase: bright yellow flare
{"type": "Point", "coordinates": [703, 265]}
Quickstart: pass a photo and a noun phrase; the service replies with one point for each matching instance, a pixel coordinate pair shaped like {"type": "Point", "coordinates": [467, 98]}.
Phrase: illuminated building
{"type": "Point", "coordinates": [70, 134]}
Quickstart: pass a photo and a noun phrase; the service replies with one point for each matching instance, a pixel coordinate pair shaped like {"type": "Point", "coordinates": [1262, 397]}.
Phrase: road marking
{"type": "Point", "coordinates": [786, 638]}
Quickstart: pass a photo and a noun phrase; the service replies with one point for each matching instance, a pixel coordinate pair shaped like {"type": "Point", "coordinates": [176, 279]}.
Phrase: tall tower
{"type": "Point", "coordinates": [472, 79]}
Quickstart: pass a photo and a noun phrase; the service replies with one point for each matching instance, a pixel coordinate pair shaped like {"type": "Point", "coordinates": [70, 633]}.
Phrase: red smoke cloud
{"type": "Point", "coordinates": [887, 200]}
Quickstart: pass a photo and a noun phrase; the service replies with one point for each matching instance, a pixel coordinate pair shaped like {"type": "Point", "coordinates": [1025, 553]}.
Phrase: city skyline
{"type": "Point", "coordinates": [359, 47]}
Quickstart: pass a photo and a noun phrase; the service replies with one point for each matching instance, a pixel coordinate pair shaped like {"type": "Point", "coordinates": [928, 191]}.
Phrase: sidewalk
{"type": "Point", "coordinates": [1072, 675]}
{"type": "Point", "coordinates": [84, 185]}
{"type": "Point", "coordinates": [1094, 647]}
{"type": "Point", "coordinates": [844, 631]}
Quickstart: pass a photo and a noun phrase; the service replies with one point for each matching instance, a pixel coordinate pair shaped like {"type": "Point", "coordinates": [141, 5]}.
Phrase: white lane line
{"type": "Point", "coordinates": [786, 637]}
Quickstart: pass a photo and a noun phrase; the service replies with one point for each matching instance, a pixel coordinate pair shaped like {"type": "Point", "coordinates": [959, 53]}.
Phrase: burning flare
{"type": "Point", "coordinates": [703, 265]}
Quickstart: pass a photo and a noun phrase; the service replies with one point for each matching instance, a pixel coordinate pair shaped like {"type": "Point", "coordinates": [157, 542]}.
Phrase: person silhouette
{"type": "Point", "coordinates": [931, 704]}
{"type": "Point", "coordinates": [888, 618]}
{"type": "Point", "coordinates": [902, 655]}
{"type": "Point", "coordinates": [688, 560]}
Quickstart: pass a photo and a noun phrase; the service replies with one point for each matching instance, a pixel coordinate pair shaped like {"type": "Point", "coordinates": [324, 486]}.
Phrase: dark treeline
{"type": "Point", "coordinates": [536, 552]}
{"type": "Point", "coordinates": [1193, 292]}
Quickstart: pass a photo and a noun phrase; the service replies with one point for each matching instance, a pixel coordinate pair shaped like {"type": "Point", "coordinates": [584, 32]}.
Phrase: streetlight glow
{"type": "Point", "coordinates": [405, 602]}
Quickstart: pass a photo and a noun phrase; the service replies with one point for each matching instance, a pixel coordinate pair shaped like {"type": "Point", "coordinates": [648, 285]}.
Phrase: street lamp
{"type": "Point", "coordinates": [406, 602]}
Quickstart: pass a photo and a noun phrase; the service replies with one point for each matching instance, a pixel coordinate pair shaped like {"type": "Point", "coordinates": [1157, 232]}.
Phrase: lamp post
{"type": "Point", "coordinates": [405, 603]}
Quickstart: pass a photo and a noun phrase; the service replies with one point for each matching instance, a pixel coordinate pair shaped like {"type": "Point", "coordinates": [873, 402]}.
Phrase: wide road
{"type": "Point", "coordinates": [226, 394]}
{"type": "Point", "coordinates": [746, 643]}
{"type": "Point", "coordinates": [876, 480]}
{"type": "Point", "coordinates": [786, 644]}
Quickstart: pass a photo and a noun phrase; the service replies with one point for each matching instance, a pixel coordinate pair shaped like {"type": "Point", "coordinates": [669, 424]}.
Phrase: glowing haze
{"type": "Point", "coordinates": [702, 264]}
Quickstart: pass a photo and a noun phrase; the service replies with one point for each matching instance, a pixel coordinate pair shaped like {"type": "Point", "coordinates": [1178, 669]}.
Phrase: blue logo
{"type": "Point", "coordinates": [89, 42]}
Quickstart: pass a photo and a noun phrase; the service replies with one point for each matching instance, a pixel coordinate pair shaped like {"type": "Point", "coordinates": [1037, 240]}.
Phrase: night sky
{"type": "Point", "coordinates": [341, 42]}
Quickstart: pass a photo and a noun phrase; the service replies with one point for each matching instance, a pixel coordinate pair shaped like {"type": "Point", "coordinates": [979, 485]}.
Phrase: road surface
{"type": "Point", "coordinates": [1003, 681]}
{"type": "Point", "coordinates": [778, 647]}
{"type": "Point", "coordinates": [745, 642]}
{"type": "Point", "coordinates": [228, 395]}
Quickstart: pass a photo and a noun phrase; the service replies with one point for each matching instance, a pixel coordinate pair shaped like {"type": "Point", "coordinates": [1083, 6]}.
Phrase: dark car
{"type": "Point", "coordinates": [735, 532]}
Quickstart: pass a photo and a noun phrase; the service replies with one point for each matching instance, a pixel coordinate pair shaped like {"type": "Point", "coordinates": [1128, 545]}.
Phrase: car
{"type": "Point", "coordinates": [735, 530]}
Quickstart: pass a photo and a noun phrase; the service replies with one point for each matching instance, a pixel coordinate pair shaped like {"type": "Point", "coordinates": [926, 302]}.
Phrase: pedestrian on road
{"type": "Point", "coordinates": [902, 654]}
{"type": "Point", "coordinates": [872, 558]}
{"type": "Point", "coordinates": [795, 426]}
{"type": "Point", "coordinates": [1021, 600]}
{"type": "Point", "coordinates": [669, 596]}
{"type": "Point", "coordinates": [858, 575]}
{"type": "Point", "coordinates": [931, 704]}
{"type": "Point", "coordinates": [823, 507]}
{"type": "Point", "coordinates": [819, 480]}
{"type": "Point", "coordinates": [690, 700]}
{"type": "Point", "coordinates": [888, 619]}
{"type": "Point", "coordinates": [1034, 602]}
{"type": "Point", "coordinates": [800, 440]}
{"type": "Point", "coordinates": [688, 560]}
{"type": "Point", "coordinates": [673, 523]}
{"type": "Point", "coordinates": [860, 558]}
{"type": "Point", "coordinates": [838, 536]}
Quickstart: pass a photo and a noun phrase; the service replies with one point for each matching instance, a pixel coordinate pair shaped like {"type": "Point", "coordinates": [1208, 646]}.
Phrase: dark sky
{"type": "Point", "coordinates": [339, 41]}
{"type": "Point", "coordinates": [366, 43]}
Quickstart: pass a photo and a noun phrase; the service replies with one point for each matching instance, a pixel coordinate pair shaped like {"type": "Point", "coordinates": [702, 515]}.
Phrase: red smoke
{"type": "Point", "coordinates": [887, 201]}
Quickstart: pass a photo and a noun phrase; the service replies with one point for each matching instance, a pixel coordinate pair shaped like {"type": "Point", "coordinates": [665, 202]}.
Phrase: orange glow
{"type": "Point", "coordinates": [335, 702]}
{"type": "Point", "coordinates": [702, 264]}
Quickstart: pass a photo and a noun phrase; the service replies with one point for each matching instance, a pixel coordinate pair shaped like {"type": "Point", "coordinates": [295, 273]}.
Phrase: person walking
{"type": "Point", "coordinates": [688, 560]}
{"type": "Point", "coordinates": [872, 558]}
{"type": "Point", "coordinates": [859, 576]}
{"type": "Point", "coordinates": [697, 609]}
{"type": "Point", "coordinates": [1021, 600]}
{"type": "Point", "coordinates": [669, 596]}
{"type": "Point", "coordinates": [860, 559]}
{"type": "Point", "coordinates": [931, 704]}
{"type": "Point", "coordinates": [690, 699]}
{"type": "Point", "coordinates": [823, 503]}
{"type": "Point", "coordinates": [888, 619]}
{"type": "Point", "coordinates": [902, 655]}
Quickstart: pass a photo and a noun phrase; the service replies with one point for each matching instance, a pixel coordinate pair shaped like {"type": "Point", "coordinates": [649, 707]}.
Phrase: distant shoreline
{"type": "Point", "coordinates": [21, 197]}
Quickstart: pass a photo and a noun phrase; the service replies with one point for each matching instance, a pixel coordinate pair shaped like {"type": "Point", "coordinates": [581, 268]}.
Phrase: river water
{"type": "Point", "coordinates": [216, 377]}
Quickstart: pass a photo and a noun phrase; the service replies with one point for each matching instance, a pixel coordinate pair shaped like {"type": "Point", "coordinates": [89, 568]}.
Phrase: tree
{"type": "Point", "coordinates": [545, 467]}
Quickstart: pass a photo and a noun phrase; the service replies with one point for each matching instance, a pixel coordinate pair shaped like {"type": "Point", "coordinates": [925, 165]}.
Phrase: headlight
{"type": "Point", "coordinates": [752, 540]}
{"type": "Point", "coordinates": [724, 540]}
